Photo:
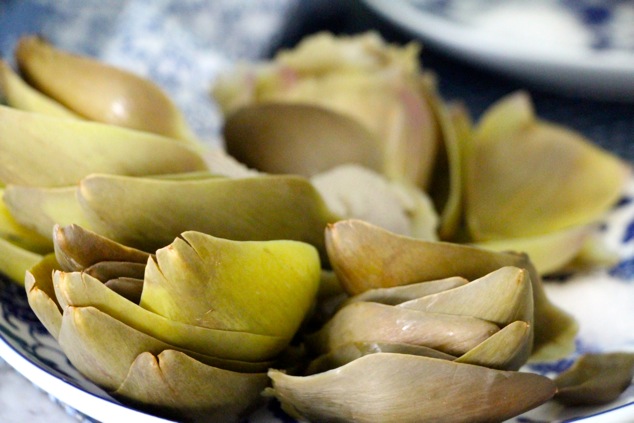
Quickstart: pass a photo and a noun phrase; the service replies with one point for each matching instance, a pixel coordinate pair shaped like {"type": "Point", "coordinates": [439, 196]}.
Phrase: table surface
{"type": "Point", "coordinates": [609, 124]}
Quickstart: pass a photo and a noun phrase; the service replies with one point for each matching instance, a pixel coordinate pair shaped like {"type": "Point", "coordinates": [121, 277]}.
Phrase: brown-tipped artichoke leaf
{"type": "Point", "coordinates": [389, 387]}
{"type": "Point", "coordinates": [595, 379]}
{"type": "Point", "coordinates": [299, 139]}
{"type": "Point", "coordinates": [346, 353]}
{"type": "Point", "coordinates": [40, 293]}
{"type": "Point", "coordinates": [18, 234]}
{"type": "Point", "coordinates": [107, 270]}
{"type": "Point", "coordinates": [80, 290]}
{"type": "Point", "coordinates": [400, 294]}
{"type": "Point", "coordinates": [563, 181]}
{"type": "Point", "coordinates": [41, 208]}
{"type": "Point", "coordinates": [373, 322]}
{"type": "Point", "coordinates": [90, 338]}
{"type": "Point", "coordinates": [151, 213]}
{"type": "Point", "coordinates": [264, 287]}
{"type": "Point", "coordinates": [29, 140]}
{"type": "Point", "coordinates": [117, 97]}
{"type": "Point", "coordinates": [502, 297]}
{"type": "Point", "coordinates": [18, 94]}
{"type": "Point", "coordinates": [15, 261]}
{"type": "Point", "coordinates": [129, 288]}
{"type": "Point", "coordinates": [365, 256]}
{"type": "Point", "coordinates": [175, 385]}
{"type": "Point", "coordinates": [508, 349]}
{"type": "Point", "coordinates": [77, 248]}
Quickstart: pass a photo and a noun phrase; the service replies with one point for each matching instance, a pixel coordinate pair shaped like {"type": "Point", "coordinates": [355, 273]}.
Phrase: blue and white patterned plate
{"type": "Point", "coordinates": [581, 47]}
{"type": "Point", "coordinates": [182, 45]}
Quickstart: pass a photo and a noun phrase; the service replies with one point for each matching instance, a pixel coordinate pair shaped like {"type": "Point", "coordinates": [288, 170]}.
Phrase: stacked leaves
{"type": "Point", "coordinates": [188, 332]}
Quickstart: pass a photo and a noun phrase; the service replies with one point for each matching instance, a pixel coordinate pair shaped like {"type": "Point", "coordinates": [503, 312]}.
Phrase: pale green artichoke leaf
{"type": "Point", "coordinates": [346, 353]}
{"type": "Point", "coordinates": [18, 94]}
{"type": "Point", "coordinates": [80, 290]}
{"type": "Point", "coordinates": [99, 91]}
{"type": "Point", "coordinates": [550, 252]}
{"type": "Point", "coordinates": [151, 213]}
{"type": "Point", "coordinates": [40, 293]}
{"type": "Point", "coordinates": [409, 388]}
{"type": "Point", "coordinates": [103, 349]}
{"type": "Point", "coordinates": [41, 208]}
{"type": "Point", "coordinates": [509, 115]}
{"type": "Point", "coordinates": [29, 140]}
{"type": "Point", "coordinates": [374, 322]}
{"type": "Point", "coordinates": [400, 294]}
{"type": "Point", "coordinates": [508, 349]}
{"type": "Point", "coordinates": [502, 297]}
{"type": "Point", "coordinates": [264, 287]}
{"type": "Point", "coordinates": [15, 261]}
{"type": "Point", "coordinates": [537, 178]}
{"type": "Point", "coordinates": [595, 379]}
{"type": "Point", "coordinates": [20, 235]}
{"type": "Point", "coordinates": [77, 248]}
{"type": "Point", "coordinates": [365, 256]}
{"type": "Point", "coordinates": [175, 385]}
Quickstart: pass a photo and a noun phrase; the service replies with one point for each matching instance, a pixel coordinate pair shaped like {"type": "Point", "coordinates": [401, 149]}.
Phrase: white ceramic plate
{"type": "Point", "coordinates": [600, 300]}
{"type": "Point", "coordinates": [580, 47]}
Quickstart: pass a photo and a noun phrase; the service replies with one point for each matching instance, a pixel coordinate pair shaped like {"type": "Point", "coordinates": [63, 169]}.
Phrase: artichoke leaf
{"type": "Point", "coordinates": [400, 294]}
{"type": "Point", "coordinates": [20, 235]}
{"type": "Point", "coordinates": [364, 256]}
{"type": "Point", "coordinates": [29, 140]}
{"type": "Point", "coordinates": [508, 349]}
{"type": "Point", "coordinates": [563, 181]}
{"type": "Point", "coordinates": [129, 288]}
{"type": "Point", "coordinates": [40, 293]}
{"type": "Point", "coordinates": [264, 287]}
{"type": "Point", "coordinates": [300, 139]}
{"type": "Point", "coordinates": [409, 388]}
{"type": "Point", "coordinates": [89, 337]}
{"type": "Point", "coordinates": [77, 248]}
{"type": "Point", "coordinates": [80, 290]}
{"type": "Point", "coordinates": [20, 95]}
{"type": "Point", "coordinates": [151, 213]}
{"type": "Point", "coordinates": [373, 322]}
{"type": "Point", "coordinates": [108, 270]}
{"type": "Point", "coordinates": [117, 97]}
{"type": "Point", "coordinates": [595, 379]}
{"type": "Point", "coordinates": [175, 385]}
{"type": "Point", "coordinates": [15, 260]}
{"type": "Point", "coordinates": [346, 353]}
{"type": "Point", "coordinates": [502, 297]}
{"type": "Point", "coordinates": [41, 208]}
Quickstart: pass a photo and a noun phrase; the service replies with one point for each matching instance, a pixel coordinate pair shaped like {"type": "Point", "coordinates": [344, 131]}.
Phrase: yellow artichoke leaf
{"type": "Point", "coordinates": [29, 141]}
{"type": "Point", "coordinates": [538, 178]}
{"type": "Point", "coordinates": [81, 290]}
{"type": "Point", "coordinates": [15, 260]}
{"type": "Point", "coordinates": [174, 385]}
{"type": "Point", "coordinates": [18, 234]}
{"type": "Point", "coordinates": [40, 208]}
{"type": "Point", "coordinates": [151, 213]}
{"type": "Point", "coordinates": [389, 387]}
{"type": "Point", "coordinates": [40, 293]}
{"type": "Point", "coordinates": [264, 287]}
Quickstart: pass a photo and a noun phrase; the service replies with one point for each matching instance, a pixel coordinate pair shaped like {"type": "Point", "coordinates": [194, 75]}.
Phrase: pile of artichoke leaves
{"type": "Point", "coordinates": [364, 253]}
